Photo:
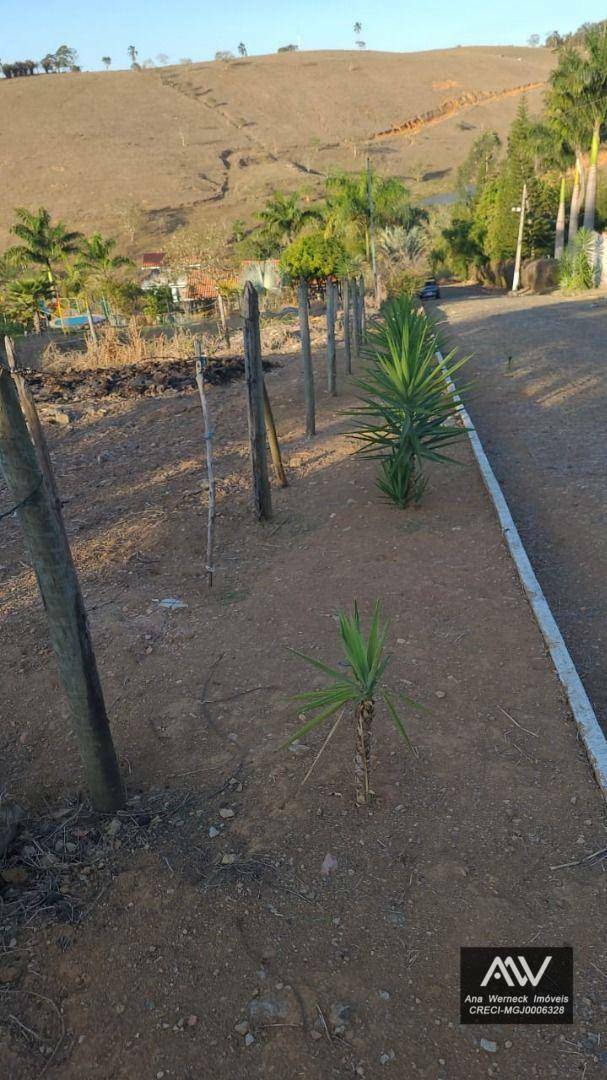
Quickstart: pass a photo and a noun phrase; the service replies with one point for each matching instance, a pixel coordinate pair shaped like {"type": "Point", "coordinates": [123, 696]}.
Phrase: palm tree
{"type": "Point", "coordinates": [348, 210]}
{"type": "Point", "coordinates": [559, 241]}
{"type": "Point", "coordinates": [568, 119]}
{"type": "Point", "coordinates": [242, 49]}
{"type": "Point", "coordinates": [96, 262]}
{"type": "Point", "coordinates": [357, 28]}
{"type": "Point", "coordinates": [594, 95]}
{"type": "Point", "coordinates": [24, 297]}
{"type": "Point", "coordinates": [283, 216]}
{"type": "Point", "coordinates": [42, 243]}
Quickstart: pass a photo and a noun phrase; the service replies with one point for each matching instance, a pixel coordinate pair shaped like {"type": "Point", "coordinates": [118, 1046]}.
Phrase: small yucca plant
{"type": "Point", "coordinates": [407, 413]}
{"type": "Point", "coordinates": [356, 686]}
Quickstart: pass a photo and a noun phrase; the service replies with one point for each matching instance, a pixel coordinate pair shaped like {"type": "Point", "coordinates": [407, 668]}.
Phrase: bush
{"type": "Point", "coordinates": [577, 270]}
{"type": "Point", "coordinates": [407, 413]}
{"type": "Point", "coordinates": [314, 256]}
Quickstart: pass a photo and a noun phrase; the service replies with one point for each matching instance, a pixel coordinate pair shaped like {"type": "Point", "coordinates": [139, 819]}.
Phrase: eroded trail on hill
{"type": "Point", "coordinates": [468, 100]}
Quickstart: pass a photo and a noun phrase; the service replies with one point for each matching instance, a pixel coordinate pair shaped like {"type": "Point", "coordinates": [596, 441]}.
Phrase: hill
{"type": "Point", "coordinates": [139, 154]}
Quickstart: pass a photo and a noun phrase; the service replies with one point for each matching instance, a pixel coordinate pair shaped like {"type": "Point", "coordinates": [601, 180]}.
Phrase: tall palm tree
{"type": "Point", "coordinates": [594, 95]}
{"type": "Point", "coordinates": [42, 242]}
{"type": "Point", "coordinates": [283, 216]}
{"type": "Point", "coordinates": [559, 240]}
{"type": "Point", "coordinates": [348, 210]}
{"type": "Point", "coordinates": [568, 118]}
{"type": "Point", "coordinates": [23, 300]}
{"type": "Point", "coordinates": [96, 260]}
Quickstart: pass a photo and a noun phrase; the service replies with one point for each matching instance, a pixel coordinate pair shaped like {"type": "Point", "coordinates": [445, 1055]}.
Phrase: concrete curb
{"type": "Point", "coordinates": [583, 712]}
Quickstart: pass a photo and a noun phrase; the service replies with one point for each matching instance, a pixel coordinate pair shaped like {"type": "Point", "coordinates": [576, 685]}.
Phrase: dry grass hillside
{"type": "Point", "coordinates": [140, 153]}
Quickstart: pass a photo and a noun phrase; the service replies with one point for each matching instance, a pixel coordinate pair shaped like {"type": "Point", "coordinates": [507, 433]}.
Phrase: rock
{"type": "Point", "coordinates": [54, 415]}
{"type": "Point", "coordinates": [489, 1046]}
{"type": "Point", "coordinates": [329, 864]}
{"type": "Point", "coordinates": [213, 832]}
{"type": "Point", "coordinates": [114, 827]}
{"type": "Point", "coordinates": [242, 1027]}
{"type": "Point", "coordinates": [229, 860]}
{"type": "Point", "coordinates": [268, 1008]}
{"type": "Point", "coordinates": [11, 814]}
{"type": "Point", "coordinates": [192, 1020]}
{"type": "Point", "coordinates": [383, 994]}
{"type": "Point", "coordinates": [225, 812]}
{"type": "Point", "coordinates": [249, 1039]}
{"type": "Point", "coordinates": [385, 1059]}
{"type": "Point", "coordinates": [340, 1015]}
{"type": "Point", "coordinates": [15, 875]}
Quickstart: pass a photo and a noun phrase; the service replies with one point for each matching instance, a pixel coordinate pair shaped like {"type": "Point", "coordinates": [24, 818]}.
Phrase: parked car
{"type": "Point", "coordinates": [430, 290]}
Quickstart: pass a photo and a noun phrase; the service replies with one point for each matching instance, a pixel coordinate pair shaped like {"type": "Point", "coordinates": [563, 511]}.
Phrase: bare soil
{"type": "Point", "coordinates": [541, 416]}
{"type": "Point", "coordinates": [173, 946]}
{"type": "Point", "coordinates": [139, 154]}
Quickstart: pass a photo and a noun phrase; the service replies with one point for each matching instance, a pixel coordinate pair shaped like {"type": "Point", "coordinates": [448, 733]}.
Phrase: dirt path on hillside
{"type": "Point", "coordinates": [222, 950]}
{"type": "Point", "coordinates": [542, 419]}
{"type": "Point", "coordinates": [452, 107]}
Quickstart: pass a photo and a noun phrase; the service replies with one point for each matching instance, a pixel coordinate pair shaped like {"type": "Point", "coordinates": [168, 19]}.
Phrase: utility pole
{"type": "Point", "coordinates": [372, 230]}
{"type": "Point", "coordinates": [519, 244]}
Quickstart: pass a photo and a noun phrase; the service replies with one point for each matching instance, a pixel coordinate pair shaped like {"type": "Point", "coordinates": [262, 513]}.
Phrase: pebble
{"type": "Point", "coordinates": [225, 812]}
{"type": "Point", "coordinates": [228, 860]}
{"type": "Point", "coordinates": [385, 1059]}
{"type": "Point", "coordinates": [249, 1039]}
{"type": "Point", "coordinates": [213, 832]}
{"type": "Point", "coordinates": [384, 995]}
{"type": "Point", "coordinates": [242, 1028]}
{"type": "Point", "coordinates": [114, 828]}
{"type": "Point", "coordinates": [489, 1046]}
{"type": "Point", "coordinates": [192, 1020]}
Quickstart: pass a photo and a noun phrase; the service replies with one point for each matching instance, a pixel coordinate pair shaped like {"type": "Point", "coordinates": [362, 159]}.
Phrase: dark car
{"type": "Point", "coordinates": [430, 291]}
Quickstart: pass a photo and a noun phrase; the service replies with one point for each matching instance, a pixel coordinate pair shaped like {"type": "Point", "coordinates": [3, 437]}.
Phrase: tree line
{"type": "Point", "coordinates": [64, 59]}
{"type": "Point", "coordinates": [554, 154]}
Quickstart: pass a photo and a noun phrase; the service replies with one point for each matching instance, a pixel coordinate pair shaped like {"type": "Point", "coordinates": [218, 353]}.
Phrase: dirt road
{"type": "Point", "coordinates": [542, 417]}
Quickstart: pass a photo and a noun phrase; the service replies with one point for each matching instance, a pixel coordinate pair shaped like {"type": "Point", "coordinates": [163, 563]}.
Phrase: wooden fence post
{"type": "Point", "coordinates": [331, 362]}
{"type": "Point", "coordinates": [30, 412]}
{"type": "Point", "coordinates": [89, 316]}
{"type": "Point", "coordinates": [355, 326]}
{"type": "Point", "coordinates": [306, 355]}
{"type": "Point", "coordinates": [67, 621]}
{"type": "Point", "coordinates": [362, 315]}
{"type": "Point", "coordinates": [223, 319]}
{"type": "Point", "coordinates": [257, 429]}
{"type": "Point", "coordinates": [345, 300]}
{"type": "Point", "coordinates": [279, 470]}
{"type": "Point", "coordinates": [208, 439]}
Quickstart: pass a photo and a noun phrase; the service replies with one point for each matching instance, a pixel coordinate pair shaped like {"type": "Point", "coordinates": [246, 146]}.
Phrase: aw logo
{"type": "Point", "coordinates": [516, 985]}
{"type": "Point", "coordinates": [514, 974]}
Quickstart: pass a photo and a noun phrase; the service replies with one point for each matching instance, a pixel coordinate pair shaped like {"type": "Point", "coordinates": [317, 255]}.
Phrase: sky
{"type": "Point", "coordinates": [184, 28]}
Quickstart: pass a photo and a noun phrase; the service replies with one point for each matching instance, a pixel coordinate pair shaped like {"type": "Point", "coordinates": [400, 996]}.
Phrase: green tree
{"type": "Point", "coordinates": [97, 261]}
{"type": "Point", "coordinates": [283, 217]}
{"type": "Point", "coordinates": [348, 211]}
{"type": "Point", "coordinates": [242, 49]}
{"type": "Point", "coordinates": [107, 60]}
{"type": "Point", "coordinates": [42, 242]}
{"type": "Point", "coordinates": [480, 164]}
{"type": "Point", "coordinates": [24, 299]}
{"type": "Point", "coordinates": [314, 255]}
{"type": "Point", "coordinates": [66, 59]}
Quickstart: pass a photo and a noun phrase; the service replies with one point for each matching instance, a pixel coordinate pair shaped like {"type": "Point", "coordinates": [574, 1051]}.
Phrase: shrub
{"type": "Point", "coordinates": [407, 416]}
{"type": "Point", "coordinates": [576, 272]}
{"type": "Point", "coordinates": [314, 255]}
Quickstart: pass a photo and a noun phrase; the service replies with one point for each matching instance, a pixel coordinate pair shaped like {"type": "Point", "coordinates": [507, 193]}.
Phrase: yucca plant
{"type": "Point", "coordinates": [407, 414]}
{"type": "Point", "coordinates": [356, 687]}
{"type": "Point", "coordinates": [576, 272]}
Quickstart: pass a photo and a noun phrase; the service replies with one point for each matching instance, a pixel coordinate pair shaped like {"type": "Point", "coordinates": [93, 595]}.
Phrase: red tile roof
{"type": "Point", "coordinates": [152, 260]}
{"type": "Point", "coordinates": [201, 286]}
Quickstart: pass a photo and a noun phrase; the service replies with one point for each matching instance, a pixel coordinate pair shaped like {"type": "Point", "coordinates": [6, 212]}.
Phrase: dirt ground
{"type": "Point", "coordinates": [541, 416]}
{"type": "Point", "coordinates": [231, 955]}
